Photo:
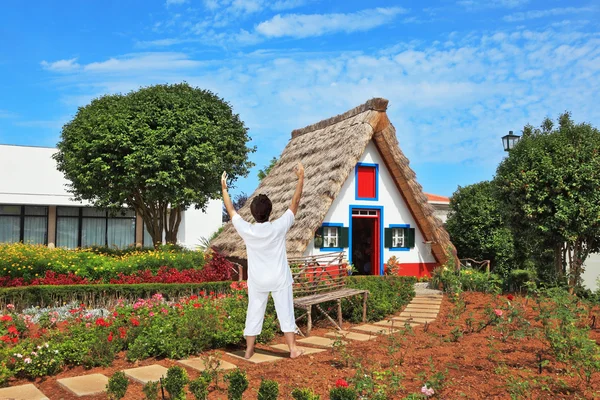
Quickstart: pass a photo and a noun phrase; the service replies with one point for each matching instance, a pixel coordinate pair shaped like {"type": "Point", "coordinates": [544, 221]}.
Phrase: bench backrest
{"type": "Point", "coordinates": [318, 274]}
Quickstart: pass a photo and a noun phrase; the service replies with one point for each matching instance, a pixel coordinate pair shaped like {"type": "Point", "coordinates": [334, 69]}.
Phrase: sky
{"type": "Point", "coordinates": [458, 74]}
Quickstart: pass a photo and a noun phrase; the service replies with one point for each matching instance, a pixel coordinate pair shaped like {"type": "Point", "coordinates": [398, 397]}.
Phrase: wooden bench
{"type": "Point", "coordinates": [319, 279]}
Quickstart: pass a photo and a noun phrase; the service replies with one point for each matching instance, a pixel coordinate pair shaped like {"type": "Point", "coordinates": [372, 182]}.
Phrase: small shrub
{"type": "Point", "coordinates": [199, 386]}
{"type": "Point", "coordinates": [342, 393]}
{"type": "Point", "coordinates": [304, 394]}
{"type": "Point", "coordinates": [150, 390]}
{"type": "Point", "coordinates": [117, 386]}
{"type": "Point", "coordinates": [175, 382]}
{"type": "Point", "coordinates": [238, 383]}
{"type": "Point", "coordinates": [268, 390]}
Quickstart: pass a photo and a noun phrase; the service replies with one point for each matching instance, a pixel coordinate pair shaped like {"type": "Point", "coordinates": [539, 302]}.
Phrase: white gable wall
{"type": "Point", "coordinates": [395, 211]}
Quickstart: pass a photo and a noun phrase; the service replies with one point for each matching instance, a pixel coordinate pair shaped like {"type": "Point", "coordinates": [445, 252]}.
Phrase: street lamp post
{"type": "Point", "coordinates": [510, 140]}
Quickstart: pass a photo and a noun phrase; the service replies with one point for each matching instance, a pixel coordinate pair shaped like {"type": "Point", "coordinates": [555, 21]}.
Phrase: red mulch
{"type": "Point", "coordinates": [472, 365]}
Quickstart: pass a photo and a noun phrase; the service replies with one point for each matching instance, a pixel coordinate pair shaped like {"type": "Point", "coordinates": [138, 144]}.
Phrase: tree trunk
{"type": "Point", "coordinates": [558, 259]}
{"type": "Point", "coordinates": [172, 227]}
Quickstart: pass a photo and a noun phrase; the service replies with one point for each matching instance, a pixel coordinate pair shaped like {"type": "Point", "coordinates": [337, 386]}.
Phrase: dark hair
{"type": "Point", "coordinates": [261, 208]}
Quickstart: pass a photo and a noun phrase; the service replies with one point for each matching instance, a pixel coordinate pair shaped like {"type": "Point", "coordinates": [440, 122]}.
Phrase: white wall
{"type": "Point", "coordinates": [29, 176]}
{"type": "Point", "coordinates": [395, 211]}
{"type": "Point", "coordinates": [196, 224]}
{"type": "Point", "coordinates": [591, 272]}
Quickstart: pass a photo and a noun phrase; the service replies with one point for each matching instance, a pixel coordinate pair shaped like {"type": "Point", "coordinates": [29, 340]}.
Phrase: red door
{"type": "Point", "coordinates": [369, 223]}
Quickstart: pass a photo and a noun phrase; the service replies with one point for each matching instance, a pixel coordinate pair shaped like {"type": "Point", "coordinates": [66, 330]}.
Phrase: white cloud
{"type": "Point", "coordinates": [281, 5]}
{"type": "Point", "coordinates": [61, 65]}
{"type": "Point", "coordinates": [522, 16]}
{"type": "Point", "coordinates": [7, 114]}
{"type": "Point", "coordinates": [305, 25]}
{"type": "Point", "coordinates": [175, 2]}
{"type": "Point", "coordinates": [143, 62]}
{"type": "Point", "coordinates": [481, 4]}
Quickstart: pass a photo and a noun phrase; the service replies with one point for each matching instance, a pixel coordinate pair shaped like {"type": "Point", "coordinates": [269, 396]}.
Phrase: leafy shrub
{"type": "Point", "coordinates": [5, 373]}
{"type": "Point", "coordinates": [268, 390]}
{"type": "Point", "coordinates": [30, 361]}
{"type": "Point", "coordinates": [519, 278]}
{"type": "Point", "coordinates": [388, 294]}
{"type": "Point", "coordinates": [304, 394]}
{"type": "Point", "coordinates": [175, 382]}
{"type": "Point", "coordinates": [117, 386]}
{"type": "Point", "coordinates": [237, 384]}
{"type": "Point", "coordinates": [199, 386]}
{"type": "Point", "coordinates": [150, 390]}
{"type": "Point", "coordinates": [342, 393]}
{"type": "Point", "coordinates": [466, 279]}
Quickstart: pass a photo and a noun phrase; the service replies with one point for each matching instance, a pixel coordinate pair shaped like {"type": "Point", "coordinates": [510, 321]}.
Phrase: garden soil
{"type": "Point", "coordinates": [476, 366]}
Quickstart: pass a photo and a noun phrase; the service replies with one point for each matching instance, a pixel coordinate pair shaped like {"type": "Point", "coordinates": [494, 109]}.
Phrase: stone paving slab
{"type": "Point", "coordinates": [427, 301]}
{"type": "Point", "coordinates": [380, 330]}
{"type": "Point", "coordinates": [260, 356]}
{"type": "Point", "coordinates": [361, 337]}
{"type": "Point", "coordinates": [22, 392]}
{"type": "Point", "coordinates": [85, 385]}
{"type": "Point", "coordinates": [318, 341]}
{"type": "Point", "coordinates": [428, 307]}
{"type": "Point", "coordinates": [198, 364]}
{"type": "Point", "coordinates": [143, 375]}
{"type": "Point", "coordinates": [306, 350]}
{"type": "Point", "coordinates": [418, 314]}
{"type": "Point", "coordinates": [395, 323]}
{"type": "Point", "coordinates": [413, 320]}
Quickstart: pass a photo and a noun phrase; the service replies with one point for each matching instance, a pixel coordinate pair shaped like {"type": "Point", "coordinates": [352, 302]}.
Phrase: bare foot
{"type": "Point", "coordinates": [249, 353]}
{"type": "Point", "coordinates": [296, 353]}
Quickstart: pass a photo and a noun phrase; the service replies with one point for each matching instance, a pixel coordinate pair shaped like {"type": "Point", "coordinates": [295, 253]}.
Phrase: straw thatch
{"type": "Point", "coordinates": [329, 151]}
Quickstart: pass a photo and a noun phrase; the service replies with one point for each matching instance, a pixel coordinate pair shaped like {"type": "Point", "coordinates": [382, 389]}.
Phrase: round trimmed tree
{"type": "Point", "coordinates": [159, 150]}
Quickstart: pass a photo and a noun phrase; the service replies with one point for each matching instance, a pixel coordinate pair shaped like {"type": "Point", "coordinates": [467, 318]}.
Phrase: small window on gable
{"type": "Point", "coordinates": [400, 237]}
{"type": "Point", "coordinates": [330, 236]}
{"type": "Point", "coordinates": [366, 181]}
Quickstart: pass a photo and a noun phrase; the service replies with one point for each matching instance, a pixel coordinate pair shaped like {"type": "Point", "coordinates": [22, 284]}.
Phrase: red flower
{"type": "Point", "coordinates": [135, 322]}
{"type": "Point", "coordinates": [102, 322]}
{"type": "Point", "coordinates": [115, 314]}
{"type": "Point", "coordinates": [341, 383]}
{"type": "Point", "coordinates": [510, 297]}
{"type": "Point", "coordinates": [13, 329]}
{"type": "Point", "coordinates": [110, 337]}
{"type": "Point", "coordinates": [193, 297]}
{"type": "Point", "coordinates": [196, 305]}
{"type": "Point", "coordinates": [5, 339]}
{"type": "Point", "coordinates": [15, 340]}
{"type": "Point", "coordinates": [122, 332]}
{"type": "Point", "coordinates": [6, 318]}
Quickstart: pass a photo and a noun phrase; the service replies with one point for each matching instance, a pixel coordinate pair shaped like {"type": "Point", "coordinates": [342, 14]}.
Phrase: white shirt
{"type": "Point", "coordinates": [268, 268]}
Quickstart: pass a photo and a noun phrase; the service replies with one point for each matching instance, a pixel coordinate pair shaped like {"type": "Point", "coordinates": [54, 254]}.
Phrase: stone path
{"type": "Point", "coordinates": [423, 309]}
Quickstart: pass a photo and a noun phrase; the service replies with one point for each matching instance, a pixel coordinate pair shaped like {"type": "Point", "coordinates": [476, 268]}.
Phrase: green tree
{"type": "Point", "coordinates": [549, 185]}
{"type": "Point", "coordinates": [477, 228]}
{"type": "Point", "coordinates": [160, 150]}
{"type": "Point", "coordinates": [262, 173]}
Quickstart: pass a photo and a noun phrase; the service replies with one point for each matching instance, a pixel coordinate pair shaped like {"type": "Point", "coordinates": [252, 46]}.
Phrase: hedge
{"type": "Point", "coordinates": [102, 295]}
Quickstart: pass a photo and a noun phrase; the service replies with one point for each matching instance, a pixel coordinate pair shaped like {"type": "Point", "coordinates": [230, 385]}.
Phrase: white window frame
{"type": "Point", "coordinates": [398, 238]}
{"type": "Point", "coordinates": [331, 233]}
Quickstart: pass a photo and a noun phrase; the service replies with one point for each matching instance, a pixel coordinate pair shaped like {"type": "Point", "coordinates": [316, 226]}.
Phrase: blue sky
{"type": "Point", "coordinates": [459, 74]}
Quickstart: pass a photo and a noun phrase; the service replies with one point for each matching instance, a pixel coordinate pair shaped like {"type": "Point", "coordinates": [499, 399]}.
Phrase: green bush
{"type": "Point", "coordinates": [388, 294]}
{"type": "Point", "coordinates": [117, 386]}
{"type": "Point", "coordinates": [304, 394]}
{"type": "Point", "coordinates": [29, 261]}
{"type": "Point", "coordinates": [175, 382]}
{"type": "Point", "coordinates": [150, 390]}
{"type": "Point", "coordinates": [102, 296]}
{"type": "Point", "coordinates": [342, 393]}
{"type": "Point", "coordinates": [268, 390]}
{"type": "Point", "coordinates": [466, 279]}
{"type": "Point", "coordinates": [519, 278]}
{"type": "Point", "coordinates": [199, 386]}
{"type": "Point", "coordinates": [237, 384]}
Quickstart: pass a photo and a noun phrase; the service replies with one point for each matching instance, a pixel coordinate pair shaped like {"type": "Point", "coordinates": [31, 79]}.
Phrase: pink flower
{"type": "Point", "coordinates": [427, 391]}
{"type": "Point", "coordinates": [87, 325]}
{"type": "Point", "coordinates": [52, 320]}
{"type": "Point", "coordinates": [27, 360]}
{"type": "Point", "coordinates": [151, 314]}
{"type": "Point", "coordinates": [498, 312]}
{"type": "Point", "coordinates": [164, 311]}
{"type": "Point", "coordinates": [10, 306]}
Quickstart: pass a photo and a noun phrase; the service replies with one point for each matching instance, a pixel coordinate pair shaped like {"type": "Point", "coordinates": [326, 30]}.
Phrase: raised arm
{"type": "Point", "coordinates": [226, 199]}
{"type": "Point", "coordinates": [298, 193]}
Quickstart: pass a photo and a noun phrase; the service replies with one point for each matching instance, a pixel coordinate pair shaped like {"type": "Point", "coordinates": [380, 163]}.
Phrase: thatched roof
{"type": "Point", "coordinates": [346, 136]}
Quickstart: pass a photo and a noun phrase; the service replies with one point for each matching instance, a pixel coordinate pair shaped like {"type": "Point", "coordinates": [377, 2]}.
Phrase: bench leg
{"type": "Point", "coordinates": [309, 324]}
{"type": "Point", "coordinates": [339, 312]}
{"type": "Point", "coordinates": [365, 295]}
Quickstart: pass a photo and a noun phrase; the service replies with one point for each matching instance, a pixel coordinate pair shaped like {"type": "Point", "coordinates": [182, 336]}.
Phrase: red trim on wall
{"type": "Point", "coordinates": [366, 182]}
{"type": "Point", "coordinates": [417, 269]}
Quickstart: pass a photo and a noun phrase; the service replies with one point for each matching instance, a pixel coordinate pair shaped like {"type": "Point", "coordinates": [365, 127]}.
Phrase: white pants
{"type": "Point", "coordinates": [257, 305]}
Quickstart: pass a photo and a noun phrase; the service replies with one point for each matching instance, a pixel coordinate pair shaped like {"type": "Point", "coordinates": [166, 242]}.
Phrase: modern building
{"type": "Point", "coordinates": [360, 196]}
{"type": "Point", "coordinates": [35, 207]}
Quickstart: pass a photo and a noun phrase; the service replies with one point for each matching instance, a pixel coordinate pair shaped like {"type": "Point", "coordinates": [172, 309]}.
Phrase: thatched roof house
{"type": "Point", "coordinates": [360, 196]}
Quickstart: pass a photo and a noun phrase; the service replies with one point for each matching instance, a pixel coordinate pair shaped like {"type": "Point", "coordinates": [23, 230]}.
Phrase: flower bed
{"type": "Point", "coordinates": [24, 264]}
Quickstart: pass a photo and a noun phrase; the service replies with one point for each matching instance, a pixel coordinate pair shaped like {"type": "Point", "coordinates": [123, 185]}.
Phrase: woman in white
{"type": "Point", "coordinates": [268, 270]}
